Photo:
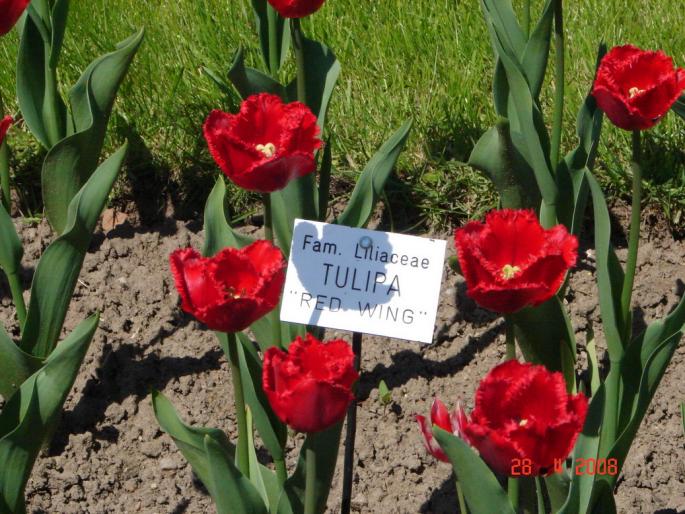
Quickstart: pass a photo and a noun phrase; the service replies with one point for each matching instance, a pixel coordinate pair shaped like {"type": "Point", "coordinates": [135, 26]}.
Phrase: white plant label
{"type": "Point", "coordinates": [362, 280]}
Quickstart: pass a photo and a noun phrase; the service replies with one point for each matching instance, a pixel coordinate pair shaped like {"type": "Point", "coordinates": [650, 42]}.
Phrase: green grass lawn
{"type": "Point", "coordinates": [426, 59]}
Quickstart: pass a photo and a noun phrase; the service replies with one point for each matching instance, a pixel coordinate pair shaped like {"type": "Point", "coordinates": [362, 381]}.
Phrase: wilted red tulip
{"type": "Point", "coordinates": [442, 418]}
{"type": "Point", "coordinates": [5, 125]}
{"type": "Point", "coordinates": [510, 261]}
{"type": "Point", "coordinates": [522, 411]}
{"type": "Point", "coordinates": [231, 290]}
{"type": "Point", "coordinates": [264, 146]}
{"type": "Point", "coordinates": [310, 387]}
{"type": "Point", "coordinates": [10, 11]}
{"type": "Point", "coordinates": [636, 88]}
{"type": "Point", "coordinates": [296, 8]}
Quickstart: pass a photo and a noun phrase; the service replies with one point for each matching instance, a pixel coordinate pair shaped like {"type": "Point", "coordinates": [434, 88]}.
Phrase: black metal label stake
{"type": "Point", "coordinates": [351, 433]}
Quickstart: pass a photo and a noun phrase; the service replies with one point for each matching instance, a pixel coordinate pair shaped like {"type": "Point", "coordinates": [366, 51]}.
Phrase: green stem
{"type": "Point", "coordinates": [310, 484]}
{"type": "Point", "coordinates": [634, 237]}
{"type": "Point", "coordinates": [274, 61]}
{"type": "Point", "coordinates": [239, 400]}
{"type": "Point", "coordinates": [281, 473]}
{"type": "Point", "coordinates": [17, 298]}
{"type": "Point", "coordinates": [298, 47]}
{"type": "Point", "coordinates": [540, 495]}
{"type": "Point", "coordinates": [269, 236]}
{"type": "Point", "coordinates": [513, 492]}
{"type": "Point", "coordinates": [559, 50]}
{"type": "Point", "coordinates": [526, 18]}
{"type": "Point", "coordinates": [510, 338]}
{"type": "Point", "coordinates": [268, 218]}
{"type": "Point", "coordinates": [460, 497]}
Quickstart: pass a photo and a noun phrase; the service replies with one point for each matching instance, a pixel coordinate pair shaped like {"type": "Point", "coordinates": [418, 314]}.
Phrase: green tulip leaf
{"type": "Point", "coordinates": [536, 54]}
{"type": "Point", "coordinates": [71, 162]}
{"type": "Point", "coordinates": [538, 328]}
{"type": "Point", "coordinates": [285, 208]}
{"type": "Point", "coordinates": [266, 14]}
{"type": "Point", "coordinates": [218, 233]}
{"type": "Point", "coordinates": [593, 361]}
{"type": "Point", "coordinates": [57, 272]}
{"type": "Point", "coordinates": [248, 81]}
{"type": "Point", "coordinates": [60, 11]}
{"type": "Point", "coordinates": [587, 447]}
{"type": "Point", "coordinates": [322, 69]}
{"type": "Point", "coordinates": [642, 368]}
{"type": "Point", "coordinates": [482, 491]}
{"type": "Point", "coordinates": [189, 440]}
{"type": "Point", "coordinates": [233, 492]}
{"type": "Point", "coordinates": [218, 81]}
{"type": "Point", "coordinates": [501, 14]}
{"type": "Point", "coordinates": [15, 365]}
{"type": "Point", "coordinates": [17, 456]}
{"type": "Point", "coordinates": [272, 431]}
{"type": "Point", "coordinates": [609, 272]}
{"type": "Point", "coordinates": [497, 157]}
{"type": "Point", "coordinates": [42, 107]}
{"type": "Point", "coordinates": [11, 250]}
{"type": "Point", "coordinates": [679, 107]}
{"type": "Point", "coordinates": [30, 415]}
{"type": "Point", "coordinates": [325, 445]}
{"type": "Point", "coordinates": [372, 180]}
{"type": "Point", "coordinates": [212, 463]}
{"type": "Point", "coordinates": [527, 130]}
{"type": "Point", "coordinates": [325, 180]}
{"type": "Point", "coordinates": [263, 479]}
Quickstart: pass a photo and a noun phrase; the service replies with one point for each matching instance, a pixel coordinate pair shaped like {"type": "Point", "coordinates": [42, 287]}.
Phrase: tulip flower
{"type": "Point", "coordinates": [522, 411]}
{"type": "Point", "coordinates": [510, 261]}
{"type": "Point", "coordinates": [231, 290]}
{"type": "Point", "coordinates": [10, 11]}
{"type": "Point", "coordinates": [310, 387]}
{"type": "Point", "coordinates": [442, 418]}
{"type": "Point", "coordinates": [296, 8]}
{"type": "Point", "coordinates": [5, 125]}
{"type": "Point", "coordinates": [264, 146]}
{"type": "Point", "coordinates": [636, 88]}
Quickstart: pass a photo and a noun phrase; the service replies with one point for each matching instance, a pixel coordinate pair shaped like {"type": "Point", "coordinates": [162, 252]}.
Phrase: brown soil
{"type": "Point", "coordinates": [109, 456]}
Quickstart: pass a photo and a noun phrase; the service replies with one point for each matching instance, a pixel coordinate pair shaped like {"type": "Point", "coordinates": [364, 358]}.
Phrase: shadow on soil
{"type": "Point", "coordinates": [119, 375]}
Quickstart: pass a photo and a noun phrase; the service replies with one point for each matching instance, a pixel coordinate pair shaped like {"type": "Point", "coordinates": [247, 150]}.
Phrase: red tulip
{"type": "Point", "coordinates": [442, 418]}
{"type": "Point", "coordinates": [264, 146]}
{"type": "Point", "coordinates": [523, 411]}
{"type": "Point", "coordinates": [636, 88]}
{"type": "Point", "coordinates": [296, 8]}
{"type": "Point", "coordinates": [10, 11]}
{"type": "Point", "coordinates": [310, 387]}
{"type": "Point", "coordinates": [5, 125]}
{"type": "Point", "coordinates": [510, 261]}
{"type": "Point", "coordinates": [231, 290]}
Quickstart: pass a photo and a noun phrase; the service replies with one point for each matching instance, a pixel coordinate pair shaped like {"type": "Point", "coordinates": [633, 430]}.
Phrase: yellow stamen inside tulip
{"type": "Point", "coordinates": [268, 149]}
{"type": "Point", "coordinates": [523, 422]}
{"type": "Point", "coordinates": [634, 91]}
{"type": "Point", "coordinates": [509, 271]}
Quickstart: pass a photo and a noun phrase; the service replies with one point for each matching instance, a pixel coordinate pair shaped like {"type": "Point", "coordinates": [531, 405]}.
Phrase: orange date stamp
{"type": "Point", "coordinates": [523, 467]}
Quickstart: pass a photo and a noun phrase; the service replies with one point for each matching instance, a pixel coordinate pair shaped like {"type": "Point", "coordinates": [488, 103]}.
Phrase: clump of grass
{"type": "Point", "coordinates": [428, 59]}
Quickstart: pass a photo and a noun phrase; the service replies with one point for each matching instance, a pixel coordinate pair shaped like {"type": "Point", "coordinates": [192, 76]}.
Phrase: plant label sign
{"type": "Point", "coordinates": [362, 280]}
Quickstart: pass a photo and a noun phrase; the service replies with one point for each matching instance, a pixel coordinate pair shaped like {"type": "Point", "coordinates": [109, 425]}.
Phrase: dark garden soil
{"type": "Point", "coordinates": [109, 455]}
